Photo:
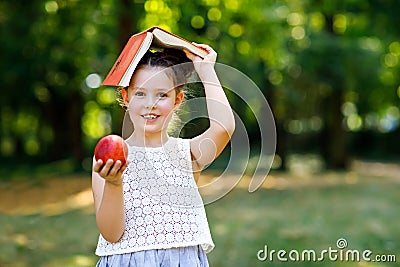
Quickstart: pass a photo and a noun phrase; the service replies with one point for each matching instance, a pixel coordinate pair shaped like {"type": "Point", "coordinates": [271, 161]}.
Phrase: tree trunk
{"type": "Point", "coordinates": [333, 135]}
{"type": "Point", "coordinates": [56, 112]}
{"type": "Point", "coordinates": [75, 112]}
{"type": "Point", "coordinates": [281, 134]}
{"type": "Point", "coordinates": [129, 13]}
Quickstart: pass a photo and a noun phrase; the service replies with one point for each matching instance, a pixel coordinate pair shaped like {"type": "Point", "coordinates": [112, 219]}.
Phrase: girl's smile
{"type": "Point", "coordinates": [150, 117]}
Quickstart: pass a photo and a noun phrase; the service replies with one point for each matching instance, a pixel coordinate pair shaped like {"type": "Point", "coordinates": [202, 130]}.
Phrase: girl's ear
{"type": "Point", "coordinates": [179, 99]}
{"type": "Point", "coordinates": [124, 94]}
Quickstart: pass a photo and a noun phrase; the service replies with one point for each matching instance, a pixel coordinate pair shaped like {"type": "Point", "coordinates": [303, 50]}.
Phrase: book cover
{"type": "Point", "coordinates": [124, 60]}
{"type": "Point", "coordinates": [137, 45]}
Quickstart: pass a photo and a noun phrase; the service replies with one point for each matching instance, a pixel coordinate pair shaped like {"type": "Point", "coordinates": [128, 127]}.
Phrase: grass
{"type": "Point", "coordinates": [290, 212]}
{"type": "Point", "coordinates": [305, 218]}
{"type": "Point", "coordinates": [39, 240]}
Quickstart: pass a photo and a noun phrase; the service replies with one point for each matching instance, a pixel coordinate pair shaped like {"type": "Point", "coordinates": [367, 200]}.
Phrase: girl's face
{"type": "Point", "coordinates": [152, 100]}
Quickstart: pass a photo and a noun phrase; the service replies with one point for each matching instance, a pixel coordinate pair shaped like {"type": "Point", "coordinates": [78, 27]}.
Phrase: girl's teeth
{"type": "Point", "coordinates": [150, 116]}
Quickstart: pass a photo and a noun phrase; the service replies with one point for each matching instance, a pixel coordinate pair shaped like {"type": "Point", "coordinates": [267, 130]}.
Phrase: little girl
{"type": "Point", "coordinates": [149, 211]}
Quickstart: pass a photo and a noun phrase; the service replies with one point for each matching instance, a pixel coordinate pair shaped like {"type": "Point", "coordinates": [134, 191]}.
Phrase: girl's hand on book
{"type": "Point", "coordinates": [110, 171]}
{"type": "Point", "coordinates": [202, 65]}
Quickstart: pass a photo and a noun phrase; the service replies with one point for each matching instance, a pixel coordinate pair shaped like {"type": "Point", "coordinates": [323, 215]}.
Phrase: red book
{"type": "Point", "coordinates": [138, 44]}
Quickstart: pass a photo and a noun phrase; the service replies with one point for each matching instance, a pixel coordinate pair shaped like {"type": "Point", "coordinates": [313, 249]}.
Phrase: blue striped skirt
{"type": "Point", "coordinates": [193, 256]}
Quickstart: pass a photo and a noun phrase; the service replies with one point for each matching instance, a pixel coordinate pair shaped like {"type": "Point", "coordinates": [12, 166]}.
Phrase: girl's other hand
{"type": "Point", "coordinates": [201, 64]}
{"type": "Point", "coordinates": [110, 171]}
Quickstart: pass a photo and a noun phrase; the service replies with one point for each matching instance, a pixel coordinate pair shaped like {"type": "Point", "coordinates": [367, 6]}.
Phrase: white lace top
{"type": "Point", "coordinates": [163, 207]}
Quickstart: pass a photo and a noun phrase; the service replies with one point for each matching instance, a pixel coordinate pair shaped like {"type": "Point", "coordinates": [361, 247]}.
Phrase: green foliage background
{"type": "Point", "coordinates": [329, 70]}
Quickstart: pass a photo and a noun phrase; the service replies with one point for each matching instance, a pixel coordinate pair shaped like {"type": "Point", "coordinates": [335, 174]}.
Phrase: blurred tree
{"type": "Point", "coordinates": [339, 54]}
{"type": "Point", "coordinates": [43, 49]}
{"type": "Point", "coordinates": [49, 48]}
{"type": "Point", "coordinates": [325, 64]}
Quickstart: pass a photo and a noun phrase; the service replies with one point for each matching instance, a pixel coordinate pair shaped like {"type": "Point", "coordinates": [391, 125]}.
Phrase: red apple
{"type": "Point", "coordinates": [111, 147]}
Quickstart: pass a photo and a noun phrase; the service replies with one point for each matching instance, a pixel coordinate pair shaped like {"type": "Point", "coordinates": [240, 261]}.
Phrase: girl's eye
{"type": "Point", "coordinates": [139, 93]}
{"type": "Point", "coordinates": [162, 95]}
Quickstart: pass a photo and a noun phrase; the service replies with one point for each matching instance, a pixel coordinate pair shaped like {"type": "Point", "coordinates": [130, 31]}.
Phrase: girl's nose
{"type": "Point", "coordinates": [150, 102]}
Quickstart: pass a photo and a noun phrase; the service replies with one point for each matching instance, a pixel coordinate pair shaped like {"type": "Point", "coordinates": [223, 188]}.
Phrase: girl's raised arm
{"type": "Point", "coordinates": [208, 145]}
